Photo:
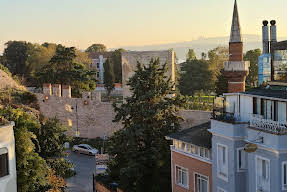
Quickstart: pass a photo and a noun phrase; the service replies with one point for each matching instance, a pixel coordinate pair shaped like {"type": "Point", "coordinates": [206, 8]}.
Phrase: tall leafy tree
{"type": "Point", "coordinates": [109, 75]}
{"type": "Point", "coordinates": [31, 168]}
{"type": "Point", "coordinates": [116, 58]}
{"type": "Point", "coordinates": [62, 69]}
{"type": "Point", "coordinates": [95, 48]}
{"type": "Point", "coordinates": [141, 153]}
{"type": "Point", "coordinates": [190, 55]}
{"type": "Point", "coordinates": [217, 57]}
{"type": "Point", "coordinates": [15, 56]}
{"type": "Point", "coordinates": [196, 77]}
{"type": "Point", "coordinates": [252, 56]}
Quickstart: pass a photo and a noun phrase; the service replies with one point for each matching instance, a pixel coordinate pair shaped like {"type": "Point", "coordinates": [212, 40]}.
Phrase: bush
{"type": "Point", "coordinates": [5, 69]}
{"type": "Point", "coordinates": [62, 167]}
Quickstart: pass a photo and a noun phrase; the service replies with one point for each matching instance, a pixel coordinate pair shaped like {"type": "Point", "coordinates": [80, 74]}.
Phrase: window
{"type": "Point", "coordinates": [284, 175]}
{"type": "Point", "coordinates": [201, 183]}
{"type": "Point", "coordinates": [262, 174]}
{"type": "Point", "coordinates": [98, 65]}
{"type": "Point", "coordinates": [222, 162]}
{"type": "Point", "coordinates": [241, 159]}
{"type": "Point", "coordinates": [4, 163]}
{"type": "Point", "coordinates": [98, 74]}
{"type": "Point", "coordinates": [181, 176]}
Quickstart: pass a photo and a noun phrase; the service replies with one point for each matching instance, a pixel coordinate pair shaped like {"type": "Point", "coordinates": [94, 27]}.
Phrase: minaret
{"type": "Point", "coordinates": [236, 70]}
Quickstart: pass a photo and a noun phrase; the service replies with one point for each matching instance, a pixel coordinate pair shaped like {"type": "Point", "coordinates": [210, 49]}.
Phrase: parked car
{"type": "Point", "coordinates": [85, 149]}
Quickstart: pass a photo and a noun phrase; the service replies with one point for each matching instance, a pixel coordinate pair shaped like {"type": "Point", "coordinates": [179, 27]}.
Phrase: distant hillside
{"type": "Point", "coordinates": [201, 45]}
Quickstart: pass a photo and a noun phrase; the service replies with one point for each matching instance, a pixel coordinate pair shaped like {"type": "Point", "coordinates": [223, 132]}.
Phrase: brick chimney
{"type": "Point", "coordinates": [236, 70]}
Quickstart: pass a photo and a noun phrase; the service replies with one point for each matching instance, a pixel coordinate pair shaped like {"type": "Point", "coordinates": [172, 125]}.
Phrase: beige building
{"type": "Point", "coordinates": [8, 176]}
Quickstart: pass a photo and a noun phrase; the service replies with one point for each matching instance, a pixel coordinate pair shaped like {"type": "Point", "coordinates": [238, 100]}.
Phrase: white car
{"type": "Point", "coordinates": [85, 149]}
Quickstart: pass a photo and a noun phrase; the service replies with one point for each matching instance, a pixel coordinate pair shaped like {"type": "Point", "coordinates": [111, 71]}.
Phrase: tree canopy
{"type": "Point", "coordinates": [141, 152]}
{"type": "Point", "coordinates": [109, 76]}
{"type": "Point", "coordinates": [252, 56]}
{"type": "Point", "coordinates": [62, 69]}
{"type": "Point", "coordinates": [96, 48]}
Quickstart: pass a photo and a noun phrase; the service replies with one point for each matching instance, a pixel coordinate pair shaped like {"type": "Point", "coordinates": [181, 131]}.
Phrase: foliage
{"type": "Point", "coordinates": [200, 102]}
{"type": "Point", "coordinates": [197, 77]}
{"type": "Point", "coordinates": [83, 58]}
{"type": "Point", "coordinates": [5, 69]}
{"type": "Point", "coordinates": [31, 168]}
{"type": "Point", "coordinates": [217, 57]}
{"type": "Point", "coordinates": [62, 167]}
{"type": "Point", "coordinates": [33, 141]}
{"type": "Point", "coordinates": [96, 48]}
{"type": "Point", "coordinates": [252, 56]}
{"type": "Point", "coordinates": [221, 84]}
{"type": "Point", "coordinates": [51, 136]}
{"type": "Point", "coordinates": [56, 184]}
{"type": "Point", "coordinates": [190, 55]}
{"type": "Point", "coordinates": [109, 76]}
{"type": "Point", "coordinates": [15, 56]}
{"type": "Point", "coordinates": [62, 69]}
{"type": "Point", "coordinates": [116, 59]}
{"type": "Point", "coordinates": [140, 150]}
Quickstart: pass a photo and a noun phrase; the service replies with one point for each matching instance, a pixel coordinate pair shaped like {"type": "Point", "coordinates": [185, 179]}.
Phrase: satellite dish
{"type": "Point", "coordinates": [250, 148]}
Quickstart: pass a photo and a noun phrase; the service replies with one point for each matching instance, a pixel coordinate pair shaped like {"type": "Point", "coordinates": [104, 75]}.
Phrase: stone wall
{"type": "Point", "coordinates": [130, 59]}
{"type": "Point", "coordinates": [88, 114]}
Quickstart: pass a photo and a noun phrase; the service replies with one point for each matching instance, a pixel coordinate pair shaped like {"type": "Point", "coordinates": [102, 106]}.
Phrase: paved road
{"type": "Point", "coordinates": [84, 166]}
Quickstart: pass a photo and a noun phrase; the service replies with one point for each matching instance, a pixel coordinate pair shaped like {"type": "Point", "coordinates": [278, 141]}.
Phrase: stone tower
{"type": "Point", "coordinates": [235, 69]}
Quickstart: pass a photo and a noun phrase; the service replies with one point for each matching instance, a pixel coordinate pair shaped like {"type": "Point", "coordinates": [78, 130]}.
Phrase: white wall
{"type": "Point", "coordinates": [8, 183]}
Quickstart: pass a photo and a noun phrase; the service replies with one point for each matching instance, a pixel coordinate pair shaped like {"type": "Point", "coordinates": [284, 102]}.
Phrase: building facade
{"type": "Point", "coordinates": [98, 60]}
{"type": "Point", "coordinates": [249, 141]}
{"type": "Point", "coordinates": [191, 160]}
{"type": "Point", "coordinates": [8, 176]}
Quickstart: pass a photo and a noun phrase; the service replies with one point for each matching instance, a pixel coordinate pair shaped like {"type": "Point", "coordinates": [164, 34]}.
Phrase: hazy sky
{"type": "Point", "coordinates": [118, 23]}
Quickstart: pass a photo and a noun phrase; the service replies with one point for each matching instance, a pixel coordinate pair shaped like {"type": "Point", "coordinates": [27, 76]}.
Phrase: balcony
{"type": "Point", "coordinates": [270, 126]}
{"type": "Point", "coordinates": [225, 116]}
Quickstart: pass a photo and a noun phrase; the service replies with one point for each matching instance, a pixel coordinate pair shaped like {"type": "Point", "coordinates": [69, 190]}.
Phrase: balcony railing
{"type": "Point", "coordinates": [225, 116]}
{"type": "Point", "coordinates": [275, 127]}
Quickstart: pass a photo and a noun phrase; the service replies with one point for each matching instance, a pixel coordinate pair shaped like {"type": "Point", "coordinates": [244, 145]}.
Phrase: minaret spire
{"type": "Point", "coordinates": [235, 35]}
{"type": "Point", "coordinates": [235, 69]}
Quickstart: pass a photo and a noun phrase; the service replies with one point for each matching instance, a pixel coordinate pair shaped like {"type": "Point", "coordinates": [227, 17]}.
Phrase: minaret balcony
{"type": "Point", "coordinates": [236, 66]}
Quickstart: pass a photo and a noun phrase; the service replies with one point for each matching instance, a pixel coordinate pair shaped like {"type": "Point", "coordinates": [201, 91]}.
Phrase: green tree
{"type": "Point", "coordinates": [15, 56]}
{"type": "Point", "coordinates": [109, 76]}
{"type": "Point", "coordinates": [51, 136]}
{"type": "Point", "coordinates": [83, 58]}
{"type": "Point", "coordinates": [252, 56]}
{"type": "Point", "coordinates": [221, 84]}
{"type": "Point", "coordinates": [96, 48]}
{"type": "Point", "coordinates": [190, 55]}
{"type": "Point", "coordinates": [217, 57]}
{"type": "Point", "coordinates": [31, 168]}
{"type": "Point", "coordinates": [141, 153]}
{"type": "Point", "coordinates": [62, 69]}
{"type": "Point", "coordinates": [196, 77]}
{"type": "Point", "coordinates": [116, 59]}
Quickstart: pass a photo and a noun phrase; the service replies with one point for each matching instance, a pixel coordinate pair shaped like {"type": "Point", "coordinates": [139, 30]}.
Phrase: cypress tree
{"type": "Point", "coordinates": [141, 153]}
{"type": "Point", "coordinates": [109, 76]}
